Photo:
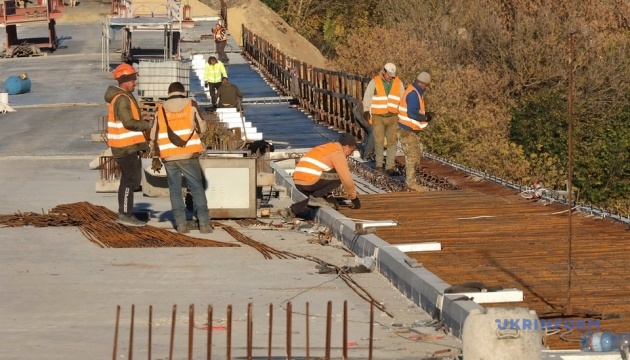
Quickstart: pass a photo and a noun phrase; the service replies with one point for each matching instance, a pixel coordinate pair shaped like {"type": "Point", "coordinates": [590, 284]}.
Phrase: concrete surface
{"type": "Point", "coordinates": [59, 292]}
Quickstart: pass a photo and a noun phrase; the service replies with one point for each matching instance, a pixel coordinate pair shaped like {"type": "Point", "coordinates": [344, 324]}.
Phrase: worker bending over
{"type": "Point", "coordinates": [125, 137]}
{"type": "Point", "coordinates": [177, 134]}
{"type": "Point", "coordinates": [320, 171]}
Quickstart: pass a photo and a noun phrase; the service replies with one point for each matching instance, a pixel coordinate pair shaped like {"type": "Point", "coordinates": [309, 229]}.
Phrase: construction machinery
{"type": "Point", "coordinates": [18, 12]}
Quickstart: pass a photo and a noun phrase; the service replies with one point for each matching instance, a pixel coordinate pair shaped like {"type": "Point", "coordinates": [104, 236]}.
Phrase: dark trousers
{"type": "Point", "coordinates": [213, 87]}
{"type": "Point", "coordinates": [221, 52]}
{"type": "Point", "coordinates": [131, 167]}
{"type": "Point", "coordinates": [321, 188]}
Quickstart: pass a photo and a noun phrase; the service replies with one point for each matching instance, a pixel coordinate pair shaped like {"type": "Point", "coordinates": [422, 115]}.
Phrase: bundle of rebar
{"type": "Point", "coordinates": [98, 224]}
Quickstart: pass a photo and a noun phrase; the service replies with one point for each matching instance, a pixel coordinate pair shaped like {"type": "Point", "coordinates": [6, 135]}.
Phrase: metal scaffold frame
{"type": "Point", "coordinates": [131, 19]}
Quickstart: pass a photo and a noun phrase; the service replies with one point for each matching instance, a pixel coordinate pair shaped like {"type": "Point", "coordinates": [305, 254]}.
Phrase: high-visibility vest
{"type": "Point", "coordinates": [220, 34]}
{"type": "Point", "coordinates": [403, 116]}
{"type": "Point", "coordinates": [117, 135]}
{"type": "Point", "coordinates": [179, 122]}
{"type": "Point", "coordinates": [383, 103]}
{"type": "Point", "coordinates": [311, 165]}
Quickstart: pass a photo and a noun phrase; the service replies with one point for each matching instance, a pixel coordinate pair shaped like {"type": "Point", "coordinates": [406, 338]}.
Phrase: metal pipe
{"type": "Point", "coordinates": [150, 330]}
{"type": "Point", "coordinates": [270, 330]}
{"type": "Point", "coordinates": [328, 327]}
{"type": "Point", "coordinates": [116, 333]}
{"type": "Point", "coordinates": [308, 334]}
{"type": "Point", "coordinates": [170, 350]}
{"type": "Point", "coordinates": [229, 332]}
{"type": "Point", "coordinates": [133, 311]}
{"type": "Point", "coordinates": [289, 328]}
{"type": "Point", "coordinates": [191, 322]}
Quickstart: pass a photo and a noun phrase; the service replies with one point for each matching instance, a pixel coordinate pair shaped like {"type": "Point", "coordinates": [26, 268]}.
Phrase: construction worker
{"type": "Point", "coordinates": [229, 94]}
{"type": "Point", "coordinates": [320, 171]}
{"type": "Point", "coordinates": [380, 103]}
{"type": "Point", "coordinates": [212, 75]}
{"type": "Point", "coordinates": [412, 119]}
{"type": "Point", "coordinates": [177, 134]}
{"type": "Point", "coordinates": [220, 40]}
{"type": "Point", "coordinates": [125, 137]}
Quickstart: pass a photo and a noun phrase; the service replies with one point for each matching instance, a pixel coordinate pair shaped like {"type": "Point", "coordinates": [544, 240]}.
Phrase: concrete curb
{"type": "Point", "coordinates": [421, 286]}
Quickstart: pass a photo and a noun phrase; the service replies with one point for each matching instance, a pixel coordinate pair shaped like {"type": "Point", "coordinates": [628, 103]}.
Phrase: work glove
{"type": "Point", "coordinates": [356, 204]}
{"type": "Point", "coordinates": [429, 115]}
{"type": "Point", "coordinates": [366, 117]}
{"type": "Point", "coordinates": [206, 85]}
{"type": "Point", "coordinates": [156, 165]}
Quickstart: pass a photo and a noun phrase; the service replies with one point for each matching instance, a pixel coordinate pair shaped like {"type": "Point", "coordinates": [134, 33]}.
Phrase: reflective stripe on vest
{"type": "Point", "coordinates": [311, 165]}
{"type": "Point", "coordinates": [403, 116]}
{"type": "Point", "coordinates": [179, 121]}
{"type": "Point", "coordinates": [117, 135]}
{"type": "Point", "coordinates": [383, 103]}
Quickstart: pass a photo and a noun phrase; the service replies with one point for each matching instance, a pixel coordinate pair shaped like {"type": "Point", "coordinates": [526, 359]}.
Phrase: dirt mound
{"type": "Point", "coordinates": [264, 22]}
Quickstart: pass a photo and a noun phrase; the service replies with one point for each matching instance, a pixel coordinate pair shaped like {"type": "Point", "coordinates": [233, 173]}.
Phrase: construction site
{"type": "Point", "coordinates": [474, 267]}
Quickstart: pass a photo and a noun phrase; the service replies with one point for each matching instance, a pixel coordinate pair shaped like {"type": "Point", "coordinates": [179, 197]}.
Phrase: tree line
{"type": "Point", "coordinates": [501, 80]}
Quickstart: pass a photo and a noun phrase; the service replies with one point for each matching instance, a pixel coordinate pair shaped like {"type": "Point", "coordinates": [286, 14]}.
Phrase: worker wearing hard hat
{"type": "Point", "coordinates": [320, 171]}
{"type": "Point", "coordinates": [412, 119]}
{"type": "Point", "coordinates": [125, 137]}
{"type": "Point", "coordinates": [380, 103]}
{"type": "Point", "coordinates": [176, 137]}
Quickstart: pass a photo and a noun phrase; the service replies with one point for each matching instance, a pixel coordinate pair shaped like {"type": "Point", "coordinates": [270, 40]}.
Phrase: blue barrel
{"type": "Point", "coordinates": [16, 85]}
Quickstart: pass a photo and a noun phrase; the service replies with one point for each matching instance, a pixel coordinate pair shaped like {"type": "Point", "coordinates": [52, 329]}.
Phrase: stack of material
{"type": "Point", "coordinates": [235, 119]}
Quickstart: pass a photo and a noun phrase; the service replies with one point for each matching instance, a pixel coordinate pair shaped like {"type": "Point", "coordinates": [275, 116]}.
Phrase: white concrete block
{"type": "Point", "coordinates": [505, 295]}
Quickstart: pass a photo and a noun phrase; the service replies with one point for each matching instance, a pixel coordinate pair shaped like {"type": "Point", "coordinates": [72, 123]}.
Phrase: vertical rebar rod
{"type": "Point", "coordinates": [371, 329]}
{"type": "Point", "coordinates": [250, 329]}
{"type": "Point", "coordinates": [289, 328]}
{"type": "Point", "coordinates": [308, 333]}
{"type": "Point", "coordinates": [114, 357]}
{"type": "Point", "coordinates": [133, 312]}
{"type": "Point", "coordinates": [150, 330]}
{"type": "Point", "coordinates": [229, 333]}
{"type": "Point", "coordinates": [270, 331]}
{"type": "Point", "coordinates": [328, 329]}
{"type": "Point", "coordinates": [570, 174]}
{"type": "Point", "coordinates": [170, 349]}
{"type": "Point", "coordinates": [191, 322]}
{"type": "Point", "coordinates": [209, 340]}
{"type": "Point", "coordinates": [345, 330]}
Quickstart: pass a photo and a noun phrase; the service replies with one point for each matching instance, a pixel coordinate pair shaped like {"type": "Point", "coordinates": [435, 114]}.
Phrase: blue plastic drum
{"type": "Point", "coordinates": [17, 85]}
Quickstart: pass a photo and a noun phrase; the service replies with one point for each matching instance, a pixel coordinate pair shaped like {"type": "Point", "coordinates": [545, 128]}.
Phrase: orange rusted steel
{"type": "Point", "coordinates": [492, 234]}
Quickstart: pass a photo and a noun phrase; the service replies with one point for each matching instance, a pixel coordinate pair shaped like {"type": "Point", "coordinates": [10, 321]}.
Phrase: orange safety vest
{"type": "Point", "coordinates": [383, 103]}
{"type": "Point", "coordinates": [403, 116]}
{"type": "Point", "coordinates": [117, 135]}
{"type": "Point", "coordinates": [220, 34]}
{"type": "Point", "coordinates": [311, 165]}
{"type": "Point", "coordinates": [179, 122]}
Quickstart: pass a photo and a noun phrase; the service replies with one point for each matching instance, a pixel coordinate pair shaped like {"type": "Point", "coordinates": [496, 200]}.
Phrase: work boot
{"type": "Point", "coordinates": [286, 214]}
{"type": "Point", "coordinates": [183, 229]}
{"type": "Point", "coordinates": [328, 201]}
{"type": "Point", "coordinates": [129, 220]}
{"type": "Point", "coordinates": [391, 172]}
{"type": "Point", "coordinates": [205, 229]}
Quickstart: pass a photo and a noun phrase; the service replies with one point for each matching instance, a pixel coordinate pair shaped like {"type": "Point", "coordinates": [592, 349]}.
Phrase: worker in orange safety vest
{"type": "Point", "coordinates": [126, 139]}
{"type": "Point", "coordinates": [380, 104]}
{"type": "Point", "coordinates": [320, 171]}
{"type": "Point", "coordinates": [176, 136]}
{"type": "Point", "coordinates": [412, 120]}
